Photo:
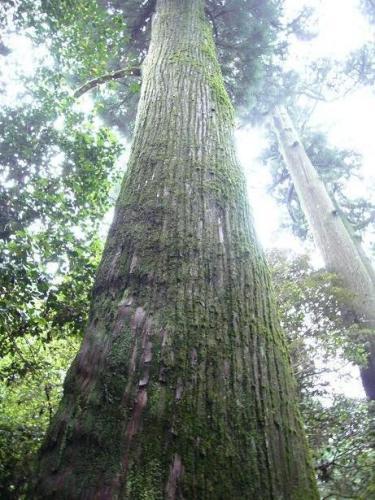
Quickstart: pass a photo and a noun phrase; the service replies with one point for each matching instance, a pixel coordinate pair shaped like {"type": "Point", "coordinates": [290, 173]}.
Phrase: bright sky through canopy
{"type": "Point", "coordinates": [181, 255]}
{"type": "Point", "coordinates": [348, 121]}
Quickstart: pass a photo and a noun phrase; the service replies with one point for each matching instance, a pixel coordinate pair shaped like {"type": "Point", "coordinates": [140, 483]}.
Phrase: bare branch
{"type": "Point", "coordinates": [281, 178]}
{"type": "Point", "coordinates": [106, 78]}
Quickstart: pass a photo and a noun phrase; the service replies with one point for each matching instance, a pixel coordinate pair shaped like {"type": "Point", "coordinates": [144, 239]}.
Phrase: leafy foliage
{"type": "Point", "coordinates": [58, 167]}
{"type": "Point", "coordinates": [94, 37]}
{"type": "Point", "coordinates": [339, 429]}
{"type": "Point", "coordinates": [310, 316]}
{"type": "Point", "coordinates": [336, 167]}
{"type": "Point", "coordinates": [27, 402]}
{"type": "Point", "coordinates": [340, 435]}
{"type": "Point", "coordinates": [55, 190]}
{"type": "Point", "coordinates": [323, 79]}
{"type": "Point", "coordinates": [368, 7]}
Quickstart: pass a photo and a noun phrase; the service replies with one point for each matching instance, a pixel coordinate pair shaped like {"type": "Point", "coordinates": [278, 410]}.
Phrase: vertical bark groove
{"type": "Point", "coordinates": [183, 387]}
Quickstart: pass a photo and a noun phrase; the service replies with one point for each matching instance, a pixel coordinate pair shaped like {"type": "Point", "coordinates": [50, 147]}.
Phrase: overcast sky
{"type": "Point", "coordinates": [348, 122]}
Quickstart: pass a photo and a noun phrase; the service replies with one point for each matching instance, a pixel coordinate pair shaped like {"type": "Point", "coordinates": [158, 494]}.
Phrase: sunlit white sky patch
{"type": "Point", "coordinates": [349, 122]}
{"type": "Point", "coordinates": [340, 26]}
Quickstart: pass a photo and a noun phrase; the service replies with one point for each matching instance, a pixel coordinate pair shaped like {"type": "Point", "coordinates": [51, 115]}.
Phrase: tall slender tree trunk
{"type": "Point", "coordinates": [182, 387]}
{"type": "Point", "coordinates": [341, 254]}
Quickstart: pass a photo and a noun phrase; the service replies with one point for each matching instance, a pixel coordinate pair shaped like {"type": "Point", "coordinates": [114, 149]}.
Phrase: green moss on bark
{"type": "Point", "coordinates": [182, 388]}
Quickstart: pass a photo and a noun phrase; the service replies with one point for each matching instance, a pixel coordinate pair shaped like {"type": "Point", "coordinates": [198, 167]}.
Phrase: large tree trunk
{"type": "Point", "coordinates": [341, 254]}
{"type": "Point", "coordinates": [182, 387]}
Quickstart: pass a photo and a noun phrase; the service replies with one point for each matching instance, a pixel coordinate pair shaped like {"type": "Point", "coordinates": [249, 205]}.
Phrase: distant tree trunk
{"type": "Point", "coordinates": [182, 387]}
{"type": "Point", "coordinates": [342, 255]}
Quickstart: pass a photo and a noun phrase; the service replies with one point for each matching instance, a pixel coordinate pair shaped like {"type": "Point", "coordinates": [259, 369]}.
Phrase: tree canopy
{"type": "Point", "coordinates": [60, 167]}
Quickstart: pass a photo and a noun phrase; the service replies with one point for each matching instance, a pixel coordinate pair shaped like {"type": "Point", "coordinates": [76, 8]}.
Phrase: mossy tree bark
{"type": "Point", "coordinates": [182, 387]}
{"type": "Point", "coordinates": [341, 254]}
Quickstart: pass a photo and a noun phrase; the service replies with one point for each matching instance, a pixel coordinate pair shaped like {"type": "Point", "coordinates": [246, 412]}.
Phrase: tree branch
{"type": "Point", "coordinates": [106, 78]}
{"type": "Point", "coordinates": [222, 13]}
{"type": "Point", "coordinates": [281, 178]}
